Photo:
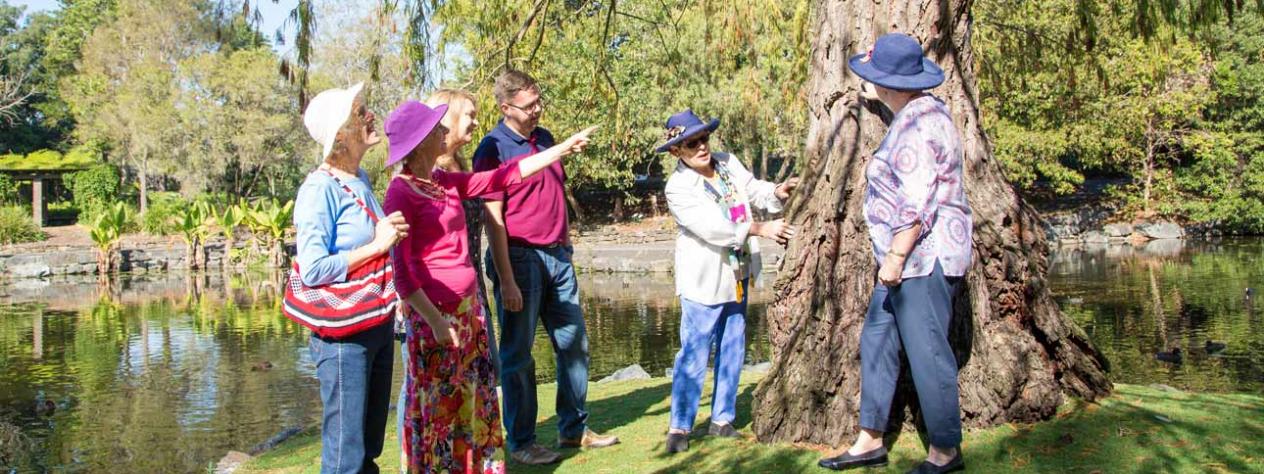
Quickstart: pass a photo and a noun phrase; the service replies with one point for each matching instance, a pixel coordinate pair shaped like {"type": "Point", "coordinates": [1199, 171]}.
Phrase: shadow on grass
{"type": "Point", "coordinates": [606, 415]}
{"type": "Point", "coordinates": [1138, 430]}
{"type": "Point", "coordinates": [625, 415]}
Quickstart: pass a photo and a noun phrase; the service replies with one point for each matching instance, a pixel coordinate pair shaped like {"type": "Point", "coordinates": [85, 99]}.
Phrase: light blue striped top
{"type": "Point", "coordinates": [329, 224]}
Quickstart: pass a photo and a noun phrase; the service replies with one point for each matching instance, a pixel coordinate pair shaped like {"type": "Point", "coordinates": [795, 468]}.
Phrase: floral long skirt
{"type": "Point", "coordinates": [452, 412]}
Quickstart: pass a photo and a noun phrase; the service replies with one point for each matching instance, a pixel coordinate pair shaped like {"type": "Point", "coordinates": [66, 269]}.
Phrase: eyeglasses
{"type": "Point", "coordinates": [532, 107]}
{"type": "Point", "coordinates": [697, 142]}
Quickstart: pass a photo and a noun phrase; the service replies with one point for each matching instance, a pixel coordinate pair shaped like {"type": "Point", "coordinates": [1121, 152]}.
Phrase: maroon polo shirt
{"type": "Point", "coordinates": [535, 209]}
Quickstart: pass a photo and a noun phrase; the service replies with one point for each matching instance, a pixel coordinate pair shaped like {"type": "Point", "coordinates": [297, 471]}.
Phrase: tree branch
{"type": "Point", "coordinates": [13, 95]}
{"type": "Point", "coordinates": [522, 31]}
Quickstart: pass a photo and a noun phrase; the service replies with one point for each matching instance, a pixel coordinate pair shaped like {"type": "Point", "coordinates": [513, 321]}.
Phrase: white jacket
{"type": "Point", "coordinates": [703, 272]}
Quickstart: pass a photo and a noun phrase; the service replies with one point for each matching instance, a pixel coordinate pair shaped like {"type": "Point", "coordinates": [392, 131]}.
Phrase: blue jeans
{"type": "Point", "coordinates": [701, 327]}
{"type": "Point", "coordinates": [913, 315]}
{"type": "Point", "coordinates": [355, 390]}
{"type": "Point", "coordinates": [550, 294]}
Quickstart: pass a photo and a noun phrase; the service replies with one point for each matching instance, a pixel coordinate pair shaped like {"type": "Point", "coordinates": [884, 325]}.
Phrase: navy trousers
{"type": "Point", "coordinates": [913, 315]}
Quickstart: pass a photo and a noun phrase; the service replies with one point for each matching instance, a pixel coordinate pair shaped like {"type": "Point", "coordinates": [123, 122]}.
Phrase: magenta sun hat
{"type": "Point", "coordinates": [408, 125]}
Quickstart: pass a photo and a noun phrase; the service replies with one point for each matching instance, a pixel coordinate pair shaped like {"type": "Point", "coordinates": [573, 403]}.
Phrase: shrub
{"type": "Point", "coordinates": [160, 218]}
{"type": "Point", "coordinates": [16, 226]}
{"type": "Point", "coordinates": [94, 189]}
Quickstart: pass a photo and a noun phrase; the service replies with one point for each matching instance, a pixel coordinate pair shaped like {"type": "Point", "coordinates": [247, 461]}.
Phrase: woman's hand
{"type": "Point", "coordinates": [390, 231]}
{"type": "Point", "coordinates": [892, 270]}
{"type": "Point", "coordinates": [444, 333]}
{"type": "Point", "coordinates": [784, 189]}
{"type": "Point", "coordinates": [579, 141]}
{"type": "Point", "coordinates": [777, 230]}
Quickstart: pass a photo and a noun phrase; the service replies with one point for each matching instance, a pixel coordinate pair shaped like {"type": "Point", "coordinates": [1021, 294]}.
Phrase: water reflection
{"type": "Point", "coordinates": [1136, 302]}
{"type": "Point", "coordinates": [151, 377]}
{"type": "Point", "coordinates": [166, 373]}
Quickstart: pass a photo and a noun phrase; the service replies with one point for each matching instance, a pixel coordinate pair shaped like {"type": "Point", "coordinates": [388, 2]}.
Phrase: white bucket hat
{"type": "Point", "coordinates": [327, 113]}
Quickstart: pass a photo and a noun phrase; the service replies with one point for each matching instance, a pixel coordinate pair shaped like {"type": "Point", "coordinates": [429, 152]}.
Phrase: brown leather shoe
{"type": "Point", "coordinates": [589, 440]}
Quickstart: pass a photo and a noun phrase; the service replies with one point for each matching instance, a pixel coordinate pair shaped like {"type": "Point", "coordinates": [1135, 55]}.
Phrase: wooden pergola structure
{"type": "Point", "coordinates": [38, 178]}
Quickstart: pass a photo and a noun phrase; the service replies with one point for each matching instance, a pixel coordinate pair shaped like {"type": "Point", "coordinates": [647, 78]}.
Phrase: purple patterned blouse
{"type": "Point", "coordinates": [916, 176]}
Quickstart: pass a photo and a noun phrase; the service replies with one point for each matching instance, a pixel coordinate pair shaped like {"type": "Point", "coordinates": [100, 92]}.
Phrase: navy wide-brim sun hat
{"type": "Point", "coordinates": [689, 125]}
{"type": "Point", "coordinates": [896, 62]}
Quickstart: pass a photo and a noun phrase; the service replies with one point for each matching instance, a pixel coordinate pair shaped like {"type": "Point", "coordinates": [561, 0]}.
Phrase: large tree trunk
{"type": "Point", "coordinates": [1018, 354]}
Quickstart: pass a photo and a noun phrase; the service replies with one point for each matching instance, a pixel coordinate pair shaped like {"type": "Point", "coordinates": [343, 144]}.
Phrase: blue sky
{"type": "Point", "coordinates": [273, 14]}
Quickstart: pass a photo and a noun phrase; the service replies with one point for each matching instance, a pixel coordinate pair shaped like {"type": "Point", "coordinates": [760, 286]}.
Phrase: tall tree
{"type": "Point", "coordinates": [125, 91]}
{"type": "Point", "coordinates": [304, 19]}
{"type": "Point", "coordinates": [1019, 355]}
{"type": "Point", "coordinates": [25, 85]}
{"type": "Point", "coordinates": [628, 64]}
{"type": "Point", "coordinates": [238, 125]}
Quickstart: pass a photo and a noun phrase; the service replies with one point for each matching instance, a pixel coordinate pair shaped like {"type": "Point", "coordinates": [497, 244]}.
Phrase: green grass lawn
{"type": "Point", "coordinates": [1138, 429]}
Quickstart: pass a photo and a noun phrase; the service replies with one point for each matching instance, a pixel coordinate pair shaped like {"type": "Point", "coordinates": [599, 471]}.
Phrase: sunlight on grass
{"type": "Point", "coordinates": [1138, 429]}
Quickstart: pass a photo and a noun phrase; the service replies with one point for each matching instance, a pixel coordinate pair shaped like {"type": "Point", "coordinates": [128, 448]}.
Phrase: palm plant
{"type": "Point", "coordinates": [106, 231]}
{"type": "Point", "coordinates": [269, 221]}
{"type": "Point", "coordinates": [228, 220]}
{"type": "Point", "coordinates": [193, 224]}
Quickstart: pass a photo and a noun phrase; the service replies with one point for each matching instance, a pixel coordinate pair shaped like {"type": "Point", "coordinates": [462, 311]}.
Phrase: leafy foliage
{"type": "Point", "coordinates": [8, 191]}
{"type": "Point", "coordinates": [629, 65]}
{"type": "Point", "coordinates": [227, 219]}
{"type": "Point", "coordinates": [269, 221]}
{"type": "Point", "coordinates": [1172, 108]}
{"type": "Point", "coordinates": [237, 120]}
{"type": "Point", "coordinates": [164, 210]}
{"type": "Point", "coordinates": [193, 222]}
{"type": "Point", "coordinates": [94, 189]}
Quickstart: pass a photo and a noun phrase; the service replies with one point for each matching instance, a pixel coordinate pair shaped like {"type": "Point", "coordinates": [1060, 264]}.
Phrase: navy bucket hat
{"type": "Point", "coordinates": [896, 62]}
{"type": "Point", "coordinates": [684, 125]}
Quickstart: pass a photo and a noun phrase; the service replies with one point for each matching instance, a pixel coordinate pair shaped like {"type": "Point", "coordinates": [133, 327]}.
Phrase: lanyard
{"type": "Point", "coordinates": [358, 200]}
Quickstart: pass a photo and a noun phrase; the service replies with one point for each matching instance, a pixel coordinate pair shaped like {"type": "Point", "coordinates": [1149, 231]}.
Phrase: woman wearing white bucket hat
{"type": "Point", "coordinates": [339, 234]}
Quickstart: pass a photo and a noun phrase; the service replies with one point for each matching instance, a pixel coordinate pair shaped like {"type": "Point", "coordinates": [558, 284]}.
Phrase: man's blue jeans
{"type": "Point", "coordinates": [702, 327]}
{"type": "Point", "coordinates": [550, 294]}
{"type": "Point", "coordinates": [355, 390]}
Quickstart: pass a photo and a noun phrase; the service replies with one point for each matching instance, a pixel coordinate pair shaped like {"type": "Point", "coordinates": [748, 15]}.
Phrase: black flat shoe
{"type": "Point", "coordinates": [926, 467]}
{"type": "Point", "coordinates": [724, 431]}
{"type": "Point", "coordinates": [677, 443]}
{"type": "Point", "coordinates": [873, 458]}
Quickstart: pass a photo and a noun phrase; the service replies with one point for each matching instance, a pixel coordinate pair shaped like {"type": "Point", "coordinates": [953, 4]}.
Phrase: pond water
{"type": "Point", "coordinates": [167, 373]}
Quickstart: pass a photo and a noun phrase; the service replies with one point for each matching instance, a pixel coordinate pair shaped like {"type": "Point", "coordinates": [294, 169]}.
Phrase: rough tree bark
{"type": "Point", "coordinates": [1018, 354]}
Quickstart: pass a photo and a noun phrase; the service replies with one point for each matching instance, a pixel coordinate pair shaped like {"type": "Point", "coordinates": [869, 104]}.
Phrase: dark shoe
{"type": "Point", "coordinates": [590, 439]}
{"type": "Point", "coordinates": [726, 430]}
{"type": "Point", "coordinates": [535, 455]}
{"type": "Point", "coordinates": [956, 464]}
{"type": "Point", "coordinates": [873, 458]}
{"type": "Point", "coordinates": [677, 442]}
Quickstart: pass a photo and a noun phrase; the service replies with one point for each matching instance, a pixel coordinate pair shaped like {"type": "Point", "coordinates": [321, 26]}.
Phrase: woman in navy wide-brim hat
{"type": "Point", "coordinates": [920, 227]}
{"type": "Point", "coordinates": [711, 195]}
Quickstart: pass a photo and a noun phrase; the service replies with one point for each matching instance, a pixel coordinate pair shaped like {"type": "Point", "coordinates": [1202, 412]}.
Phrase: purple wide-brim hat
{"type": "Point", "coordinates": [896, 62]}
{"type": "Point", "coordinates": [408, 125]}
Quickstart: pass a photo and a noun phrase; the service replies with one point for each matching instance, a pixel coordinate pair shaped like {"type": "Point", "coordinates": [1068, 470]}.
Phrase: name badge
{"type": "Point", "coordinates": [738, 213]}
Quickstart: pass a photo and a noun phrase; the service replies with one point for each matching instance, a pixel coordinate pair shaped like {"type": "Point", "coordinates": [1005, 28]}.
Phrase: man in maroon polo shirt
{"type": "Point", "coordinates": [533, 279]}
